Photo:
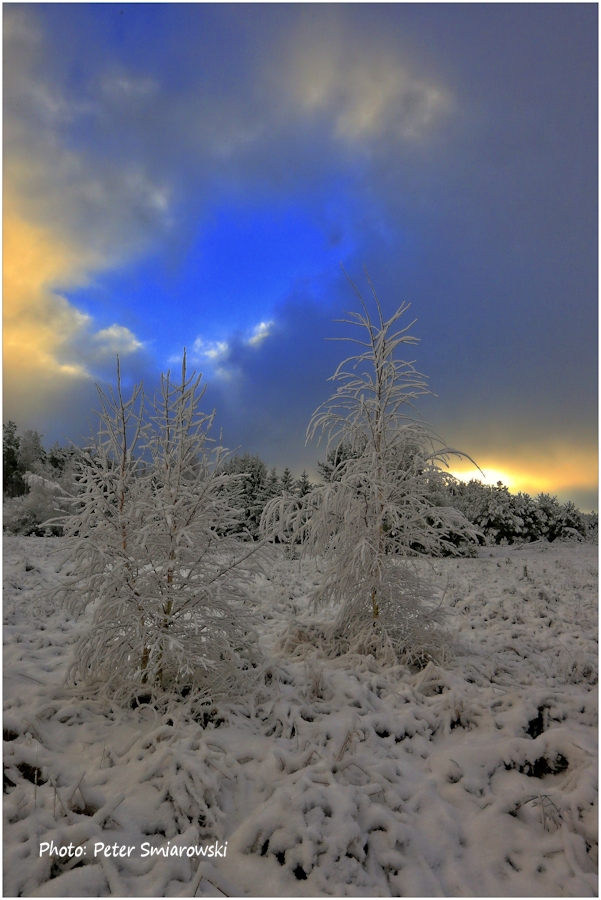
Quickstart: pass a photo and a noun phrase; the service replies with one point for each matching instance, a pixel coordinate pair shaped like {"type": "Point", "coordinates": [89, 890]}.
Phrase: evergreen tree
{"type": "Point", "coordinates": [502, 517]}
{"type": "Point", "coordinates": [272, 485]}
{"type": "Point", "coordinates": [12, 467]}
{"type": "Point", "coordinates": [32, 453]}
{"type": "Point", "coordinates": [252, 493]}
{"type": "Point", "coordinates": [287, 482]}
{"type": "Point", "coordinates": [303, 486]}
{"type": "Point", "coordinates": [335, 457]}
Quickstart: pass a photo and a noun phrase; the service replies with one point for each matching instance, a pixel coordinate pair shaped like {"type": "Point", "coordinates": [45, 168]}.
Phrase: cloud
{"type": "Point", "coordinates": [112, 202]}
{"type": "Point", "coordinates": [117, 340]}
{"type": "Point", "coordinates": [365, 91]}
{"type": "Point", "coordinates": [225, 358]}
{"type": "Point", "coordinates": [261, 331]}
{"type": "Point", "coordinates": [39, 323]}
{"type": "Point", "coordinates": [213, 350]}
{"type": "Point", "coordinates": [65, 219]}
{"type": "Point", "coordinates": [373, 98]}
{"type": "Point", "coordinates": [47, 342]}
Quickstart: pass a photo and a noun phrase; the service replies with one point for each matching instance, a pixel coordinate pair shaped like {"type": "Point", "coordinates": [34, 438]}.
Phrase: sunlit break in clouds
{"type": "Point", "coordinates": [192, 175]}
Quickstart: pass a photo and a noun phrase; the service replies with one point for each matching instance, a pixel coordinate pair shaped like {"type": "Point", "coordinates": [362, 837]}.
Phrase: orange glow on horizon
{"type": "Point", "coordinates": [561, 470]}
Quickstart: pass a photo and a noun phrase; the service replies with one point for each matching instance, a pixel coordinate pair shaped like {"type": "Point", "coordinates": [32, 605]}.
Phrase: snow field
{"type": "Point", "coordinates": [337, 777]}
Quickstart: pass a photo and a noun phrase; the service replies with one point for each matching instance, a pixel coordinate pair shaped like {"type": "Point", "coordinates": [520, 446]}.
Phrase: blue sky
{"type": "Point", "coordinates": [194, 174]}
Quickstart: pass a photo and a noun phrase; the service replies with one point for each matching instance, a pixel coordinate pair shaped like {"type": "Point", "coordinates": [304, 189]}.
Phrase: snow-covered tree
{"type": "Point", "coordinates": [272, 485]}
{"type": "Point", "coordinates": [591, 525]}
{"type": "Point", "coordinates": [374, 514]}
{"type": "Point", "coordinates": [150, 548]}
{"type": "Point", "coordinates": [35, 513]}
{"type": "Point", "coordinates": [32, 453]}
{"type": "Point", "coordinates": [12, 467]}
{"type": "Point", "coordinates": [334, 456]}
{"type": "Point", "coordinates": [250, 489]}
{"type": "Point", "coordinates": [303, 486]}
{"type": "Point", "coordinates": [559, 521]}
{"type": "Point", "coordinates": [287, 482]}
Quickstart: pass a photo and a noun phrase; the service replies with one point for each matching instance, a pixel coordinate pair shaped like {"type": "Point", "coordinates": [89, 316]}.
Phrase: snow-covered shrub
{"type": "Point", "coordinates": [441, 494]}
{"type": "Point", "coordinates": [498, 517]}
{"type": "Point", "coordinates": [149, 547]}
{"type": "Point", "coordinates": [591, 524]}
{"type": "Point", "coordinates": [38, 485]}
{"type": "Point", "coordinates": [560, 521]}
{"type": "Point", "coordinates": [374, 514]}
{"type": "Point", "coordinates": [508, 518]}
{"type": "Point", "coordinates": [51, 492]}
{"type": "Point", "coordinates": [35, 512]}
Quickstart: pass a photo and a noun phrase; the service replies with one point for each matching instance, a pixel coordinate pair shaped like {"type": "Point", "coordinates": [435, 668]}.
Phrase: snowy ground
{"type": "Point", "coordinates": [339, 778]}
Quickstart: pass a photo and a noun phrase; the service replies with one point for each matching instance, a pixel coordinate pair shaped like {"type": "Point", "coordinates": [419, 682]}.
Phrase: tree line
{"type": "Point", "coordinates": [36, 482]}
{"type": "Point", "coordinates": [34, 479]}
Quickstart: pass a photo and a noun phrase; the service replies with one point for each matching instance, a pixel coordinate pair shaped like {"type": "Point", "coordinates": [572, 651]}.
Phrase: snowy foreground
{"type": "Point", "coordinates": [336, 777]}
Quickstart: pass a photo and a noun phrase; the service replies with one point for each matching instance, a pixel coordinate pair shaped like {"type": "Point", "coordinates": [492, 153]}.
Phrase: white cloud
{"type": "Point", "coordinates": [117, 339]}
{"type": "Point", "coordinates": [213, 351]}
{"type": "Point", "coordinates": [260, 332]}
{"type": "Point", "coordinates": [218, 356]}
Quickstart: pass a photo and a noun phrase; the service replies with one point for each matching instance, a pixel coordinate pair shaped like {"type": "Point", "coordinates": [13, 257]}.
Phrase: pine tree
{"type": "Point", "coordinates": [150, 548]}
{"type": "Point", "coordinates": [303, 486]}
{"type": "Point", "coordinates": [376, 515]}
{"type": "Point", "coordinates": [287, 482]}
{"type": "Point", "coordinates": [32, 452]}
{"type": "Point", "coordinates": [272, 485]}
{"type": "Point", "coordinates": [12, 467]}
{"type": "Point", "coordinates": [335, 456]}
{"type": "Point", "coordinates": [251, 490]}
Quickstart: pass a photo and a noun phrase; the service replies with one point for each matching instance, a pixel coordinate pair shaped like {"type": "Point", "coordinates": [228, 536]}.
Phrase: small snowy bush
{"type": "Point", "coordinates": [35, 513]}
{"type": "Point", "coordinates": [150, 549]}
{"type": "Point", "coordinates": [374, 514]}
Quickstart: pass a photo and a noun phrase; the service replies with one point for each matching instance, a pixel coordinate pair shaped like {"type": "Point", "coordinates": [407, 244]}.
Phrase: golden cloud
{"type": "Point", "coordinates": [41, 327]}
{"type": "Point", "coordinates": [38, 322]}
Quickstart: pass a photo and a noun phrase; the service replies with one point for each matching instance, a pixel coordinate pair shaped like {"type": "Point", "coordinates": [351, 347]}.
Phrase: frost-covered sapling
{"type": "Point", "coordinates": [374, 515]}
{"type": "Point", "coordinates": [150, 548]}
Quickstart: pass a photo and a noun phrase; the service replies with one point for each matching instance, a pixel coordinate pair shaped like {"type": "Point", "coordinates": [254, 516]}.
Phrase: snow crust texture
{"type": "Point", "coordinates": [335, 777]}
